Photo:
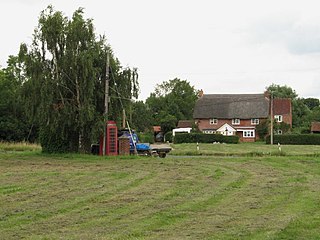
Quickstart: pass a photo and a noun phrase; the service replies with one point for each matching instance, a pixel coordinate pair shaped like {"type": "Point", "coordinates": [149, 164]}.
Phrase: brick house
{"type": "Point", "coordinates": [238, 114]}
{"type": "Point", "coordinates": [315, 127]}
{"type": "Point", "coordinates": [282, 112]}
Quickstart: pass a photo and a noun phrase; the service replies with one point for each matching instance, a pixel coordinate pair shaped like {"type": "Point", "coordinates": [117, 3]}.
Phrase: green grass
{"type": "Point", "coordinates": [245, 149]}
{"type": "Point", "coordinates": [20, 146]}
{"type": "Point", "coordinates": [89, 197]}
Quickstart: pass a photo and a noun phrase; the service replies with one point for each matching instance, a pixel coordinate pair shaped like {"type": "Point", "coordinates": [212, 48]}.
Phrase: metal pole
{"type": "Point", "coordinates": [133, 141]}
{"type": "Point", "coordinates": [106, 103]}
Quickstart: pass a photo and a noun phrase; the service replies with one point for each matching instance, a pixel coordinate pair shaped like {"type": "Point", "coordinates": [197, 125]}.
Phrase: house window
{"type": "Point", "coordinates": [213, 121]}
{"type": "Point", "coordinates": [279, 132]}
{"type": "Point", "coordinates": [235, 121]}
{"type": "Point", "coordinates": [227, 133]}
{"type": "Point", "coordinates": [254, 121]}
{"type": "Point", "coordinates": [248, 134]}
{"type": "Point", "coordinates": [278, 118]}
{"type": "Point", "coordinates": [208, 131]}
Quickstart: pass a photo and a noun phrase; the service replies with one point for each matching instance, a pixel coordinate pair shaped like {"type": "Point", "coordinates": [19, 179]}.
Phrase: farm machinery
{"type": "Point", "coordinates": [144, 149]}
{"type": "Point", "coordinates": [112, 142]}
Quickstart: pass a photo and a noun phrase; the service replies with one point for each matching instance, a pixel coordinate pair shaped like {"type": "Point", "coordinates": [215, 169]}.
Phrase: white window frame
{"type": "Point", "coordinates": [278, 118]}
{"type": "Point", "coordinates": [213, 121]}
{"type": "Point", "coordinates": [255, 121]}
{"type": "Point", "coordinates": [279, 132]}
{"type": "Point", "coordinates": [208, 131]}
{"type": "Point", "coordinates": [248, 134]}
{"type": "Point", "coordinates": [236, 121]}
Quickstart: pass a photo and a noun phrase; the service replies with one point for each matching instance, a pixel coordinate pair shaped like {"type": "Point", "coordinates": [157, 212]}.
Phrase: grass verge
{"type": "Point", "coordinates": [245, 150]}
{"type": "Point", "coordinates": [19, 146]}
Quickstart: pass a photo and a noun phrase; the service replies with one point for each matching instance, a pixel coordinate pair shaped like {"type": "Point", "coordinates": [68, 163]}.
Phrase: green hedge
{"type": "Point", "coordinates": [52, 142]}
{"type": "Point", "coordinates": [168, 137]}
{"type": "Point", "coordinates": [295, 139]}
{"type": "Point", "coordinates": [204, 138]}
{"type": "Point", "coordinates": [147, 137]}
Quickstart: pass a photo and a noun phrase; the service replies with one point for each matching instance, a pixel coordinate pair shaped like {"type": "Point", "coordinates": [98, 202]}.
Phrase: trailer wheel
{"type": "Point", "coordinates": [162, 154]}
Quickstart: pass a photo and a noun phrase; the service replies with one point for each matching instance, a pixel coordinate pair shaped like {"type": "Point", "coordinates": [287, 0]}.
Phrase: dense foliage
{"type": "Point", "coordinates": [13, 121]}
{"type": "Point", "coordinates": [204, 138]}
{"type": "Point", "coordinates": [304, 111]}
{"type": "Point", "coordinates": [296, 139]}
{"type": "Point", "coordinates": [168, 136]}
{"type": "Point", "coordinates": [263, 129]}
{"type": "Point", "coordinates": [141, 117]}
{"type": "Point", "coordinates": [147, 137]}
{"type": "Point", "coordinates": [172, 101]}
{"type": "Point", "coordinates": [62, 82]}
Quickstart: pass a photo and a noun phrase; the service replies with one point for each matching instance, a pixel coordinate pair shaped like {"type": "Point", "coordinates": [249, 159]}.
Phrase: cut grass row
{"type": "Point", "coordinates": [244, 149]}
{"type": "Point", "coordinates": [88, 197]}
{"type": "Point", "coordinates": [191, 149]}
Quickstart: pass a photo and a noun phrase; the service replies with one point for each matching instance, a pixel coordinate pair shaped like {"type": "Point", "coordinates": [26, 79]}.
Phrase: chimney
{"type": "Point", "coordinates": [267, 94]}
{"type": "Point", "coordinates": [200, 93]}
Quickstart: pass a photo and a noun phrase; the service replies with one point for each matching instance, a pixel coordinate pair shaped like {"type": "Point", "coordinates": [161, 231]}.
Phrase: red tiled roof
{"type": "Point", "coordinates": [185, 124]}
{"type": "Point", "coordinates": [281, 106]}
{"type": "Point", "coordinates": [157, 128]}
{"type": "Point", "coordinates": [315, 127]}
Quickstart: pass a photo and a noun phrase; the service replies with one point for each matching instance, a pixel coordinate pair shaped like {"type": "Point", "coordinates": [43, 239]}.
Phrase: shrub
{"type": "Point", "coordinates": [284, 127]}
{"type": "Point", "coordinates": [147, 137]}
{"type": "Point", "coordinates": [53, 142]}
{"type": "Point", "coordinates": [262, 129]}
{"type": "Point", "coordinates": [204, 138]}
{"type": "Point", "coordinates": [12, 129]}
{"type": "Point", "coordinates": [296, 139]}
{"type": "Point", "coordinates": [168, 136]}
{"type": "Point", "coordinates": [305, 130]}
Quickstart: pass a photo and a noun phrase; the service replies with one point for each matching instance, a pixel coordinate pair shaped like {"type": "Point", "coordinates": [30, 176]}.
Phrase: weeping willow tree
{"type": "Point", "coordinates": [65, 70]}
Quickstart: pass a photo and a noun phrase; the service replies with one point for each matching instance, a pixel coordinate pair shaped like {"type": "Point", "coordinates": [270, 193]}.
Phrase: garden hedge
{"type": "Point", "coordinates": [204, 138]}
{"type": "Point", "coordinates": [146, 137]}
{"type": "Point", "coordinates": [168, 136]}
{"type": "Point", "coordinates": [295, 139]}
{"type": "Point", "coordinates": [52, 142]}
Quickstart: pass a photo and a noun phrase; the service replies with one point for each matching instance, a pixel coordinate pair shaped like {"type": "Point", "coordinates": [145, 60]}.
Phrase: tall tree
{"type": "Point", "coordinates": [300, 112]}
{"type": "Point", "coordinates": [315, 115]}
{"type": "Point", "coordinates": [141, 117]}
{"type": "Point", "coordinates": [311, 103]}
{"type": "Point", "coordinates": [65, 76]}
{"type": "Point", "coordinates": [172, 101]}
{"type": "Point", "coordinates": [13, 122]}
{"type": "Point", "coordinates": [279, 91]}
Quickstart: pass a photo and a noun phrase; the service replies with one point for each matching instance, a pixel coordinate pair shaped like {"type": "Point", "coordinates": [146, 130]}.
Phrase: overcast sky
{"type": "Point", "coordinates": [218, 46]}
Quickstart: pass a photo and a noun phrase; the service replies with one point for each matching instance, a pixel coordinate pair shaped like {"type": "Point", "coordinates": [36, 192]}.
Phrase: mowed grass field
{"type": "Point", "coordinates": [245, 149]}
{"type": "Point", "coordinates": [179, 197]}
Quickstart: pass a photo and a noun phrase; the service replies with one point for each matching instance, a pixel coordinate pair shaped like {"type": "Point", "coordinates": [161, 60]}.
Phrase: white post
{"type": "Point", "coordinates": [272, 119]}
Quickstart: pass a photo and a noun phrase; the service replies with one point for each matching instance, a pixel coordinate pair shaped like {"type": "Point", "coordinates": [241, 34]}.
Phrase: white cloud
{"type": "Point", "coordinates": [292, 32]}
{"type": "Point", "coordinates": [219, 46]}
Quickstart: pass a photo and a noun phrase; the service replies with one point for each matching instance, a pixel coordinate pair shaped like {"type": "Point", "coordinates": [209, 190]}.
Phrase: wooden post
{"type": "Point", "coordinates": [123, 119]}
{"type": "Point", "coordinates": [106, 105]}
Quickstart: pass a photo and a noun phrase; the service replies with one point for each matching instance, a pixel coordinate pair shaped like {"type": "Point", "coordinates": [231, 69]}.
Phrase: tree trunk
{"type": "Point", "coordinates": [80, 130]}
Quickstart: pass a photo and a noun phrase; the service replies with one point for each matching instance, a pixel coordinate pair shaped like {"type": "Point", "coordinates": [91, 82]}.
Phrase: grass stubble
{"type": "Point", "coordinates": [87, 197]}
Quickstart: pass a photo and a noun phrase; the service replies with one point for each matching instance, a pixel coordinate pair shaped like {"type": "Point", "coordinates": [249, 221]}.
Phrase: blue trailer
{"type": "Point", "coordinates": [145, 149]}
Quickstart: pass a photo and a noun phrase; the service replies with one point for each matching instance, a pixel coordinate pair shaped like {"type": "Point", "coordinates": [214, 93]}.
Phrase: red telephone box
{"type": "Point", "coordinates": [111, 139]}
